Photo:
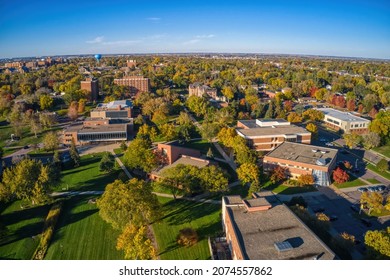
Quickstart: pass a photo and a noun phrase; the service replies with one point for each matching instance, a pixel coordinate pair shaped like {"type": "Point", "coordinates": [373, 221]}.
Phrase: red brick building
{"type": "Point", "coordinates": [91, 85]}
{"type": "Point", "coordinates": [136, 84]}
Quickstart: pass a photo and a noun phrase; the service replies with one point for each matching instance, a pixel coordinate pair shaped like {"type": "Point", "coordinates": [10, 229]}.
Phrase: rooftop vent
{"type": "Point", "coordinates": [314, 151]}
{"type": "Point", "coordinates": [320, 161]}
{"type": "Point", "coordinates": [323, 152]}
{"type": "Point", "coordinates": [283, 246]}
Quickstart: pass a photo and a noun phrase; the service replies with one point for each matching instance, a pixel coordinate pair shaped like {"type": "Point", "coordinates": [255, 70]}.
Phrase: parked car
{"type": "Point", "coordinates": [381, 188]}
{"type": "Point", "coordinates": [355, 208]}
{"type": "Point", "coordinates": [366, 222]}
{"type": "Point", "coordinates": [362, 189]}
{"type": "Point", "coordinates": [372, 189]}
{"type": "Point", "coordinates": [26, 147]}
{"type": "Point", "coordinates": [329, 144]}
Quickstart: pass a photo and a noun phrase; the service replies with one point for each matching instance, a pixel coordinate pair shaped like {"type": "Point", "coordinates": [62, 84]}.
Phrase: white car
{"type": "Point", "coordinates": [329, 144]}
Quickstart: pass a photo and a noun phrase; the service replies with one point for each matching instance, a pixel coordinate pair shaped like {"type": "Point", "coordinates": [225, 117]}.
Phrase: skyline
{"type": "Point", "coordinates": [342, 28]}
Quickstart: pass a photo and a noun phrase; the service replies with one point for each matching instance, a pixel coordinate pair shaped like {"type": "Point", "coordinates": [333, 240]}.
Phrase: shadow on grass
{"type": "Point", "coordinates": [27, 231]}
{"type": "Point", "coordinates": [23, 214]}
{"type": "Point", "coordinates": [170, 248]}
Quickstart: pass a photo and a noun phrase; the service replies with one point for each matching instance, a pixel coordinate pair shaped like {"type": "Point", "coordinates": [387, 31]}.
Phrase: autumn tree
{"type": "Point", "coordinates": [126, 203]}
{"type": "Point", "coordinates": [278, 174]}
{"type": "Point", "coordinates": [313, 115]}
{"type": "Point", "coordinates": [45, 102]}
{"type": "Point", "coordinates": [351, 105]}
{"type": "Point", "coordinates": [294, 118]}
{"type": "Point", "coordinates": [209, 130]}
{"type": "Point", "coordinates": [198, 105]}
{"type": "Point", "coordinates": [135, 243]}
{"type": "Point", "coordinates": [248, 173]}
{"type": "Point", "coordinates": [311, 127]}
{"type": "Point", "coordinates": [352, 139]}
{"type": "Point", "coordinates": [226, 136]}
{"type": "Point", "coordinates": [383, 165]}
{"type": "Point", "coordinates": [378, 243]}
{"type": "Point", "coordinates": [228, 92]}
{"type": "Point", "coordinates": [81, 105]}
{"type": "Point", "coordinates": [381, 125]}
{"type": "Point", "coordinates": [168, 131]}
{"type": "Point", "coordinates": [372, 201]}
{"type": "Point", "coordinates": [340, 176]}
{"type": "Point", "coordinates": [305, 180]}
{"type": "Point", "coordinates": [212, 179]}
{"type": "Point", "coordinates": [29, 180]}
{"type": "Point", "coordinates": [140, 155]}
{"type": "Point", "coordinates": [74, 153]}
{"type": "Point", "coordinates": [371, 140]}
{"type": "Point", "coordinates": [50, 141]}
{"type": "Point", "coordinates": [73, 110]}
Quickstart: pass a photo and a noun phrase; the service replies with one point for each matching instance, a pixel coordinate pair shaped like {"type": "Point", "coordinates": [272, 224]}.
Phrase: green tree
{"type": "Point", "coordinates": [50, 141]}
{"type": "Point", "coordinates": [249, 173]}
{"type": "Point", "coordinates": [107, 163]}
{"type": "Point", "coordinates": [135, 243]}
{"type": "Point", "coordinates": [378, 243]}
{"type": "Point", "coordinates": [213, 179]}
{"type": "Point", "coordinates": [168, 131]}
{"type": "Point", "coordinates": [311, 127]}
{"type": "Point", "coordinates": [313, 115]}
{"type": "Point", "coordinates": [209, 130]}
{"type": "Point", "coordinates": [74, 154]}
{"type": "Point", "coordinates": [373, 201]}
{"type": "Point", "coordinates": [381, 125]}
{"type": "Point", "coordinates": [45, 102]}
{"type": "Point", "coordinates": [228, 92]}
{"type": "Point", "coordinates": [140, 155]}
{"type": "Point", "coordinates": [29, 180]}
{"type": "Point", "coordinates": [371, 140]}
{"type": "Point", "coordinates": [126, 203]}
{"type": "Point", "coordinates": [352, 139]}
{"type": "Point", "coordinates": [180, 177]}
{"type": "Point", "coordinates": [383, 165]}
{"type": "Point", "coordinates": [198, 105]}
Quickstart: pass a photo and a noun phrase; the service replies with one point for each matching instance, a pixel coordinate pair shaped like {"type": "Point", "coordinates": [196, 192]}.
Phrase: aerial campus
{"type": "Point", "coordinates": [194, 156]}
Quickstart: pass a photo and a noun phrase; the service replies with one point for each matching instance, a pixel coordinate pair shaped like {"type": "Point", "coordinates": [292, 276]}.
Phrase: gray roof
{"type": "Point", "coordinates": [344, 116]}
{"type": "Point", "coordinates": [268, 131]}
{"type": "Point", "coordinates": [98, 129]}
{"type": "Point", "coordinates": [259, 231]}
{"type": "Point", "coordinates": [303, 153]}
{"type": "Point", "coordinates": [115, 104]}
{"type": "Point", "coordinates": [186, 160]}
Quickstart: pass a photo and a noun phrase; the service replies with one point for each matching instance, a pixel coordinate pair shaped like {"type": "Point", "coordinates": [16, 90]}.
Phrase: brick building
{"type": "Point", "coordinates": [263, 228]}
{"type": "Point", "coordinates": [118, 109]}
{"type": "Point", "coordinates": [200, 90]}
{"type": "Point", "coordinates": [136, 84]}
{"type": "Point", "coordinates": [344, 121]}
{"type": "Point", "coordinates": [299, 159]}
{"type": "Point", "coordinates": [267, 134]}
{"type": "Point", "coordinates": [131, 63]}
{"type": "Point", "coordinates": [91, 85]}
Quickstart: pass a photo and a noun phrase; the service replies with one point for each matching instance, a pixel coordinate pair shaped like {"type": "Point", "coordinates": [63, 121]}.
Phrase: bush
{"type": "Point", "coordinates": [187, 237]}
{"type": "Point", "coordinates": [383, 165]}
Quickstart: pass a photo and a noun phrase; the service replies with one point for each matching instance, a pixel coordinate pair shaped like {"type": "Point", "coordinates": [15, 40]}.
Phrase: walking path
{"type": "Point", "coordinates": [228, 160]}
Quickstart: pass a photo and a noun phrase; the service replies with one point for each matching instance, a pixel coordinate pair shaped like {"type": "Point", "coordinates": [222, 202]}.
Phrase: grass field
{"type": "Point", "coordinates": [23, 226]}
{"type": "Point", "coordinates": [86, 176]}
{"type": "Point", "coordinates": [373, 168]}
{"type": "Point", "coordinates": [355, 182]}
{"type": "Point", "coordinates": [178, 214]}
{"type": "Point", "coordinates": [373, 181]}
{"type": "Point", "coordinates": [384, 150]}
{"type": "Point", "coordinates": [82, 235]}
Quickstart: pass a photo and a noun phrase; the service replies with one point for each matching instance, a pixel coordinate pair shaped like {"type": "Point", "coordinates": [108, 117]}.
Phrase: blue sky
{"type": "Point", "coordinates": [340, 28]}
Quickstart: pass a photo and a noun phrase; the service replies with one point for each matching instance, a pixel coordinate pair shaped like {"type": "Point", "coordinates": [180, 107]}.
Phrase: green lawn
{"type": "Point", "coordinates": [22, 228]}
{"type": "Point", "coordinates": [203, 146]}
{"type": "Point", "coordinates": [384, 150]}
{"type": "Point", "coordinates": [178, 214]}
{"type": "Point", "coordinates": [373, 168]}
{"type": "Point", "coordinates": [86, 176]}
{"type": "Point", "coordinates": [82, 235]}
{"type": "Point", "coordinates": [283, 189]}
{"type": "Point", "coordinates": [373, 181]}
{"type": "Point", "coordinates": [354, 182]}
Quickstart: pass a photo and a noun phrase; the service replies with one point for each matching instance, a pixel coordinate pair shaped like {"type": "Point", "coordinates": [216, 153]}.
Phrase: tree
{"type": "Point", "coordinates": [107, 163]}
{"type": "Point", "coordinates": [74, 154]}
{"type": "Point", "coordinates": [383, 165]}
{"type": "Point", "coordinates": [210, 153]}
{"type": "Point", "coordinates": [35, 125]}
{"type": "Point", "coordinates": [159, 118]}
{"type": "Point", "coordinates": [373, 112]}
{"type": "Point", "coordinates": [123, 146]}
{"type": "Point", "coordinates": [136, 244]}
{"type": "Point", "coordinates": [311, 127]}
{"type": "Point", "coordinates": [50, 141]}
{"type": "Point", "coordinates": [321, 93]}
{"type": "Point", "coordinates": [226, 136]}
{"type": "Point", "coordinates": [294, 117]}
{"type": "Point", "coordinates": [347, 165]}
{"type": "Point", "coordinates": [248, 173]}
{"type": "Point", "coordinates": [29, 180]}
{"type": "Point", "coordinates": [278, 174]}
{"type": "Point", "coordinates": [140, 155]}
{"type": "Point", "coordinates": [73, 110]}
{"type": "Point", "coordinates": [187, 237]}
{"type": "Point", "coordinates": [130, 202]}
{"type": "Point", "coordinates": [198, 105]}
{"type": "Point", "coordinates": [212, 179]}
{"type": "Point", "coordinates": [313, 115]}
{"type": "Point", "coordinates": [378, 243]}
{"type": "Point", "coordinates": [47, 119]}
{"type": "Point", "coordinates": [340, 176]}
{"type": "Point", "coordinates": [371, 140]}
{"type": "Point", "coordinates": [81, 105]}
{"type": "Point", "coordinates": [352, 139]}
{"type": "Point", "coordinates": [228, 92]}
{"type": "Point", "coordinates": [45, 101]}
{"type": "Point", "coordinates": [169, 131]}
{"type": "Point", "coordinates": [381, 125]}
{"type": "Point", "coordinates": [351, 105]}
{"type": "Point", "coordinates": [209, 130]}
{"type": "Point", "coordinates": [305, 180]}
{"type": "Point", "coordinates": [373, 201]}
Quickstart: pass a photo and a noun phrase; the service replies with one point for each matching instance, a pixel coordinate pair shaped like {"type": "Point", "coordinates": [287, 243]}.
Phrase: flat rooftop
{"type": "Point", "coordinates": [343, 116]}
{"type": "Point", "coordinates": [259, 231]}
{"type": "Point", "coordinates": [186, 160]}
{"type": "Point", "coordinates": [113, 105]}
{"type": "Point", "coordinates": [97, 129]}
{"type": "Point", "coordinates": [270, 130]}
{"type": "Point", "coordinates": [303, 153]}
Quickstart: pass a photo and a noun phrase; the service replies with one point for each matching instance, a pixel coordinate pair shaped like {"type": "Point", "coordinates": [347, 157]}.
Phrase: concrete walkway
{"type": "Point", "coordinates": [228, 160]}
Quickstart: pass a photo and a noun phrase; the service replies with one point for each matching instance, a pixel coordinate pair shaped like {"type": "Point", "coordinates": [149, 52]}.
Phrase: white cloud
{"type": "Point", "coordinates": [153, 18]}
{"type": "Point", "coordinates": [97, 40]}
{"type": "Point", "coordinates": [122, 42]}
{"type": "Point", "coordinates": [205, 36]}
{"type": "Point", "coordinates": [191, 42]}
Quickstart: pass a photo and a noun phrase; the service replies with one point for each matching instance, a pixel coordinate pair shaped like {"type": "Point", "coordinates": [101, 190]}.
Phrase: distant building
{"type": "Point", "coordinates": [131, 63]}
{"type": "Point", "coordinates": [299, 159]}
{"type": "Point", "coordinates": [136, 84]}
{"type": "Point", "coordinates": [16, 64]}
{"type": "Point", "coordinates": [267, 134]}
{"type": "Point", "coordinates": [200, 90]}
{"type": "Point", "coordinates": [118, 109]}
{"type": "Point", "coordinates": [263, 228]}
{"type": "Point", "coordinates": [270, 94]}
{"type": "Point", "coordinates": [91, 85]}
{"type": "Point", "coordinates": [32, 64]}
{"type": "Point", "coordinates": [344, 121]}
